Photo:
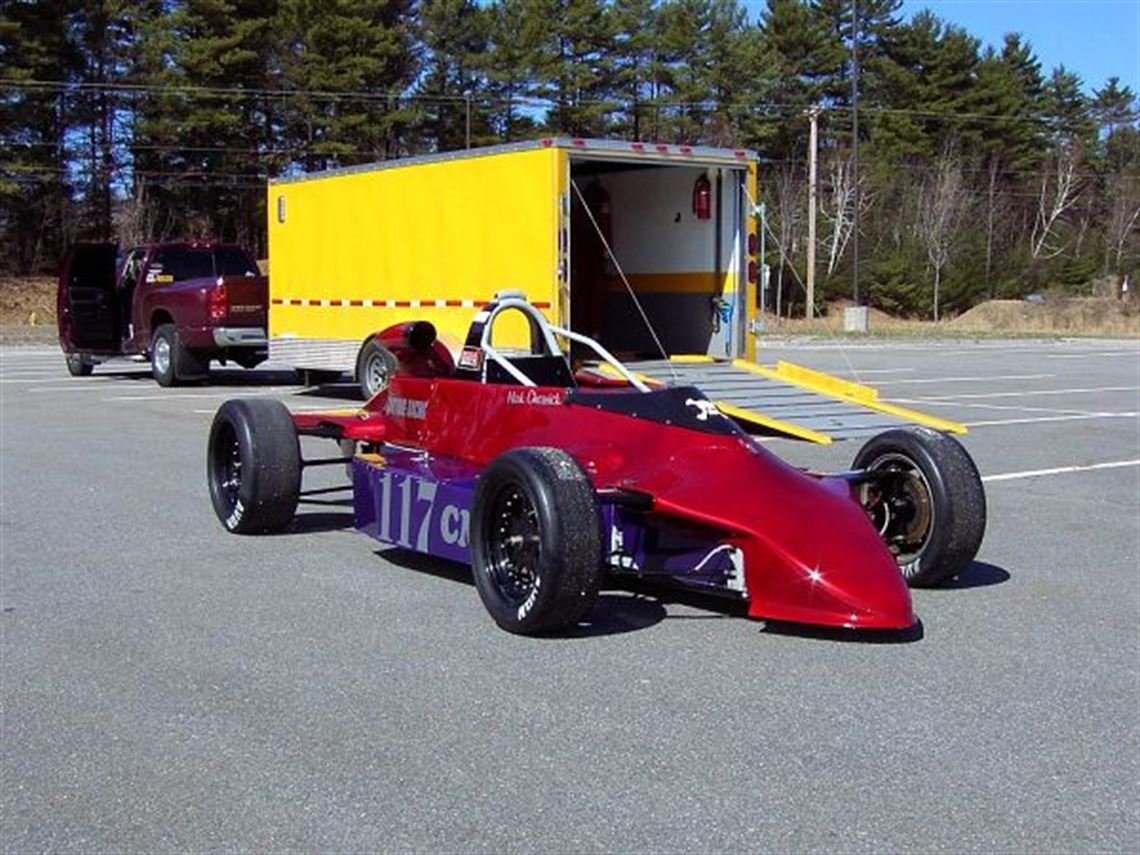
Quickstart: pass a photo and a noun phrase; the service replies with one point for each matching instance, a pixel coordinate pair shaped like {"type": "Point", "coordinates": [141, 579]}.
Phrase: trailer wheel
{"type": "Point", "coordinates": [927, 502]}
{"type": "Point", "coordinates": [374, 368]}
{"type": "Point", "coordinates": [79, 365]}
{"type": "Point", "coordinates": [536, 549]}
{"type": "Point", "coordinates": [253, 466]}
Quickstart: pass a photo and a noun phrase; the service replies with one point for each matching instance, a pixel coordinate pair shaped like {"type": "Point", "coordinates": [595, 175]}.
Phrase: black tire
{"type": "Point", "coordinates": [79, 365]}
{"type": "Point", "coordinates": [549, 577]}
{"type": "Point", "coordinates": [253, 466]}
{"type": "Point", "coordinates": [375, 366]}
{"type": "Point", "coordinates": [931, 506]}
{"type": "Point", "coordinates": [170, 362]}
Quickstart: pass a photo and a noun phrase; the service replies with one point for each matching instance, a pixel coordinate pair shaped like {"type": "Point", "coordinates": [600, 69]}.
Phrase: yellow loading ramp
{"type": "Point", "coordinates": [790, 399]}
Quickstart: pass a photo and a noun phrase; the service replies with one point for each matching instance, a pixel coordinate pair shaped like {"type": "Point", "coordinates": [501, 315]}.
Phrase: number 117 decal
{"type": "Point", "coordinates": [421, 514]}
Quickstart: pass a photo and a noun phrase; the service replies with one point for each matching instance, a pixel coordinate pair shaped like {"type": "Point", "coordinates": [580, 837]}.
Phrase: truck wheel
{"type": "Point", "coordinates": [253, 466]}
{"type": "Point", "coordinates": [374, 368]}
{"type": "Point", "coordinates": [927, 502]}
{"type": "Point", "coordinates": [78, 365]}
{"type": "Point", "coordinates": [536, 549]}
{"type": "Point", "coordinates": [170, 362]}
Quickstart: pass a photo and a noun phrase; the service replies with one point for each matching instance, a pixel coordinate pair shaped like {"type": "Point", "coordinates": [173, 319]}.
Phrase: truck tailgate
{"type": "Point", "coordinates": [246, 298]}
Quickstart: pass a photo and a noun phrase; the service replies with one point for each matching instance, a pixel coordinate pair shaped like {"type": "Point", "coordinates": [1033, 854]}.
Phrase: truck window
{"type": "Point", "coordinates": [178, 263]}
{"type": "Point", "coordinates": [231, 261]}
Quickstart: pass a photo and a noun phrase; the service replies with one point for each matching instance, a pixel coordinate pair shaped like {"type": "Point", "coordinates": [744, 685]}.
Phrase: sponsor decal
{"type": "Point", "coordinates": [405, 408]}
{"type": "Point", "coordinates": [234, 519]}
{"type": "Point", "coordinates": [534, 398]}
{"type": "Point", "coordinates": [471, 358]}
{"type": "Point", "coordinates": [704, 409]}
{"type": "Point", "coordinates": [525, 608]}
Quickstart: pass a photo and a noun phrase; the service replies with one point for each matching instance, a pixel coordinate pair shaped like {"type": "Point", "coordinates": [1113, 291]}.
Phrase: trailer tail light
{"type": "Point", "coordinates": [752, 244]}
{"type": "Point", "coordinates": [217, 303]}
{"type": "Point", "coordinates": [753, 270]}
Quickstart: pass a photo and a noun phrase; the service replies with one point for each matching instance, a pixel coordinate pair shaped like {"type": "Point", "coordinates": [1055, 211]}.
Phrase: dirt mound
{"type": "Point", "coordinates": [27, 300]}
{"type": "Point", "coordinates": [1098, 316]}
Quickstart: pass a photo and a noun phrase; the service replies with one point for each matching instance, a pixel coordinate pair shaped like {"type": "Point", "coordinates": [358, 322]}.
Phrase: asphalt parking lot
{"type": "Point", "coordinates": [165, 686]}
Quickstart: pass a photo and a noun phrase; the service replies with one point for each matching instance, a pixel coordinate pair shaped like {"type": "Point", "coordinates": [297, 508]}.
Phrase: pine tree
{"type": "Point", "coordinates": [514, 37]}
{"type": "Point", "coordinates": [453, 35]}
{"type": "Point", "coordinates": [35, 217]}
{"type": "Point", "coordinates": [805, 56]}
{"type": "Point", "coordinates": [350, 62]}
{"type": "Point", "coordinates": [572, 65]}
{"type": "Point", "coordinates": [637, 67]}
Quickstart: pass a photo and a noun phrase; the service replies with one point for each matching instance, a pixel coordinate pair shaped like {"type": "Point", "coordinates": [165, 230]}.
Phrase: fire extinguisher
{"type": "Point", "coordinates": [702, 198]}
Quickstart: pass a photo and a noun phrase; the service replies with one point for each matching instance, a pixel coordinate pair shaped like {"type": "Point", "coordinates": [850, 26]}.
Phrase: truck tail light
{"type": "Point", "coordinates": [753, 244]}
{"type": "Point", "coordinates": [217, 304]}
{"type": "Point", "coordinates": [753, 271]}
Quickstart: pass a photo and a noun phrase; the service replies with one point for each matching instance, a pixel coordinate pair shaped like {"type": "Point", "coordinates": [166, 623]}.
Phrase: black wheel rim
{"type": "Point", "coordinates": [227, 466]}
{"type": "Point", "coordinates": [513, 544]}
{"type": "Point", "coordinates": [901, 506]}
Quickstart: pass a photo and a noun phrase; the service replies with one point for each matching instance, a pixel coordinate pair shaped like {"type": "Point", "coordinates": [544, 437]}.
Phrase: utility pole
{"type": "Point", "coordinates": [467, 124]}
{"type": "Point", "coordinates": [813, 155]}
{"type": "Point", "coordinates": [855, 146]}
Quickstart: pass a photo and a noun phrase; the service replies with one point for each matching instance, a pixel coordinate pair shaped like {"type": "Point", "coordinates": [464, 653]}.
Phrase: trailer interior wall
{"type": "Point", "coordinates": [679, 266]}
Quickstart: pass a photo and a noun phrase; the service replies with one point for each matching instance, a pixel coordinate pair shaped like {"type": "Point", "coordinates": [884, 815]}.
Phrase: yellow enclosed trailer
{"type": "Point", "coordinates": [568, 222]}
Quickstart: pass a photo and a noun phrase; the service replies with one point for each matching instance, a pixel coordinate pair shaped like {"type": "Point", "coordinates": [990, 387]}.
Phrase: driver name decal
{"type": "Point", "coordinates": [405, 408]}
{"type": "Point", "coordinates": [534, 398]}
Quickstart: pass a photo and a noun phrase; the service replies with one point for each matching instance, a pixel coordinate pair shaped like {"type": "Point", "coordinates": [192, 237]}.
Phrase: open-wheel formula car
{"type": "Point", "coordinates": [546, 479]}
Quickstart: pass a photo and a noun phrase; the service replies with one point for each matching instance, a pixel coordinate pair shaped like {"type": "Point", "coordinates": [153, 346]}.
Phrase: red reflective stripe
{"type": "Point", "coordinates": [454, 303]}
{"type": "Point", "coordinates": [356, 302]}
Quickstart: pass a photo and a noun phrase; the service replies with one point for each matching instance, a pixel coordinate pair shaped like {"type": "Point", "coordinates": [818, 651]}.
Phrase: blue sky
{"type": "Point", "coordinates": [1095, 38]}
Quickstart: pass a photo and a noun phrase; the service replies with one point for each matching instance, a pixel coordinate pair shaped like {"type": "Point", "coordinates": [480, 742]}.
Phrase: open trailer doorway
{"type": "Point", "coordinates": [677, 232]}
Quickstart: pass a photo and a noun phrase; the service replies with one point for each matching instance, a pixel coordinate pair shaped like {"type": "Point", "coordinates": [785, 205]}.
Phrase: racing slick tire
{"type": "Point", "coordinates": [79, 365]}
{"type": "Point", "coordinates": [375, 366]}
{"type": "Point", "coordinates": [931, 509]}
{"type": "Point", "coordinates": [253, 466]}
{"type": "Point", "coordinates": [536, 548]}
{"type": "Point", "coordinates": [171, 362]}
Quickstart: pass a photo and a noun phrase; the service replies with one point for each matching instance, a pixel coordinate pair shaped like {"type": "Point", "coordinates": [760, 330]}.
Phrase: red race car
{"type": "Point", "coordinates": [545, 480]}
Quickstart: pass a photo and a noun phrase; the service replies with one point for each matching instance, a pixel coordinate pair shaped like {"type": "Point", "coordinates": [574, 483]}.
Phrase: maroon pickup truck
{"type": "Point", "coordinates": [178, 304]}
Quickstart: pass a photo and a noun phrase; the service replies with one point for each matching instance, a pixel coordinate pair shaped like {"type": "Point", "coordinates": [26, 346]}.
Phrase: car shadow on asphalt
{"type": "Point", "coordinates": [335, 391]}
{"type": "Point", "coordinates": [221, 377]}
{"type": "Point", "coordinates": [615, 613]}
{"type": "Point", "coordinates": [978, 575]}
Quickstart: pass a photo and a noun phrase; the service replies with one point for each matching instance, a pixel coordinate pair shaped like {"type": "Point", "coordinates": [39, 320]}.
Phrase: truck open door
{"type": "Point", "coordinates": [87, 308]}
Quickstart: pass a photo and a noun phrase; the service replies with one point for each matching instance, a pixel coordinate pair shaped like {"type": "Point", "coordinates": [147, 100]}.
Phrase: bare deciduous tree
{"type": "Point", "coordinates": [1059, 192]}
{"type": "Point", "coordinates": [941, 204]}
{"type": "Point", "coordinates": [1123, 214]}
{"type": "Point", "coordinates": [789, 188]}
{"type": "Point", "coordinates": [838, 207]}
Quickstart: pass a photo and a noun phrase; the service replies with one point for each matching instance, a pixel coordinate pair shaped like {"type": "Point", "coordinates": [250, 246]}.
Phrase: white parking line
{"type": "Point", "coordinates": [1088, 390]}
{"type": "Point", "coordinates": [1014, 408]}
{"type": "Point", "coordinates": [968, 379]}
{"type": "Point", "coordinates": [862, 371]}
{"type": "Point", "coordinates": [1072, 417]}
{"type": "Point", "coordinates": [89, 384]}
{"type": "Point", "coordinates": [1060, 470]}
{"type": "Point", "coordinates": [1135, 354]}
{"type": "Point", "coordinates": [221, 393]}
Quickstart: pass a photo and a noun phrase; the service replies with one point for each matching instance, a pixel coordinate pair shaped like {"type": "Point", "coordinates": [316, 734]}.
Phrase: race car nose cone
{"type": "Point", "coordinates": [862, 591]}
{"type": "Point", "coordinates": [835, 572]}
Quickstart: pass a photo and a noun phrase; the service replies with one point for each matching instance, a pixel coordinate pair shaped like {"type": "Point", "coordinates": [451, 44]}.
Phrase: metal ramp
{"type": "Point", "coordinates": [789, 399]}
